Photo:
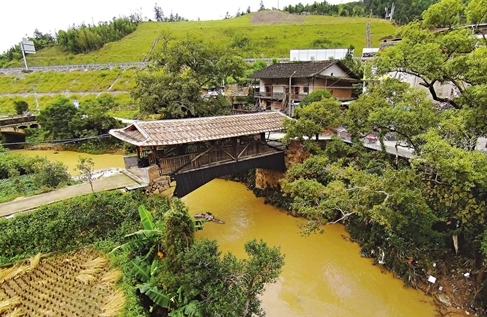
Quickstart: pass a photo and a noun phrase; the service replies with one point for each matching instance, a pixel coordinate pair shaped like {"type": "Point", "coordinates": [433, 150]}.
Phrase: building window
{"type": "Point", "coordinates": [306, 90]}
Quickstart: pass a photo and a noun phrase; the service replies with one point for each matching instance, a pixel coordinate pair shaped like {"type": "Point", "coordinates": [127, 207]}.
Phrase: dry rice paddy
{"type": "Point", "coordinates": [76, 284]}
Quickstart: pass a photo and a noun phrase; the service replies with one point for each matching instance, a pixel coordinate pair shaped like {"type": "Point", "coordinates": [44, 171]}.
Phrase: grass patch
{"type": "Point", "coordinates": [123, 105]}
{"type": "Point", "coordinates": [65, 82]}
{"type": "Point", "coordinates": [261, 34]}
{"type": "Point", "coordinates": [24, 185]}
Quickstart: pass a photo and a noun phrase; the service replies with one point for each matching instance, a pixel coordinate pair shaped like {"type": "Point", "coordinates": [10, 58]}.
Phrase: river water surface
{"type": "Point", "coordinates": [70, 159]}
{"type": "Point", "coordinates": [323, 276]}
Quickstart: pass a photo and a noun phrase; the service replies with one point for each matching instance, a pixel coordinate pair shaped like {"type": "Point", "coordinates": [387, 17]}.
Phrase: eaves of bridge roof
{"type": "Point", "coordinates": [194, 130]}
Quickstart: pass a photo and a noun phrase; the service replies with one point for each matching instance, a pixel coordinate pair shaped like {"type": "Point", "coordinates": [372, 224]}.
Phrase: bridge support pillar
{"type": "Point", "coordinates": [161, 185]}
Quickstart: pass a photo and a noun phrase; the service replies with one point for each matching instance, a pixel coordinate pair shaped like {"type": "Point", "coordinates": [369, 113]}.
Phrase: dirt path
{"type": "Point", "coordinates": [119, 180]}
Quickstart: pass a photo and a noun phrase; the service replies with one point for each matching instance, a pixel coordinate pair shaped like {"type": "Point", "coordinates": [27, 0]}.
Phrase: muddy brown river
{"type": "Point", "coordinates": [324, 274]}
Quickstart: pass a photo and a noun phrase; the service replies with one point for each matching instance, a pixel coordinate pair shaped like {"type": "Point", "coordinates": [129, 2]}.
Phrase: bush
{"type": "Point", "coordinates": [71, 224]}
{"type": "Point", "coordinates": [21, 106]}
{"type": "Point", "coordinates": [52, 174]}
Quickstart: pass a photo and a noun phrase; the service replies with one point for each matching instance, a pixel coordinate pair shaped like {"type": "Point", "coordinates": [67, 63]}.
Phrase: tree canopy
{"type": "Point", "coordinates": [173, 88]}
{"type": "Point", "coordinates": [63, 120]}
{"type": "Point", "coordinates": [395, 203]}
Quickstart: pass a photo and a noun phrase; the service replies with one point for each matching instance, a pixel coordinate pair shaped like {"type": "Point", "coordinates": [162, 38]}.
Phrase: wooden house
{"type": "Point", "coordinates": [283, 85]}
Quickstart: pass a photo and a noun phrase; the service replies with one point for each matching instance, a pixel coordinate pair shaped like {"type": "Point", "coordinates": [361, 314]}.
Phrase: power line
{"type": "Point", "coordinates": [62, 141]}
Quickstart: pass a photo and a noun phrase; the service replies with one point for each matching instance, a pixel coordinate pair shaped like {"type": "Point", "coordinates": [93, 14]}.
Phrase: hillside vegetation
{"type": "Point", "coordinates": [261, 34]}
{"type": "Point", "coordinates": [264, 34]}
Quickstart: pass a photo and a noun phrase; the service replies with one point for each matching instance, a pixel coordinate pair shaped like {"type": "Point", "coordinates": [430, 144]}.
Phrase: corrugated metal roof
{"type": "Point", "coordinates": [181, 131]}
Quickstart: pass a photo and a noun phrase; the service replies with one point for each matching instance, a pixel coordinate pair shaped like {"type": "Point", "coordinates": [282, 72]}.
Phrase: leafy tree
{"type": "Point", "coordinates": [261, 6]}
{"type": "Point", "coordinates": [173, 89]}
{"type": "Point", "coordinates": [392, 107]}
{"type": "Point", "coordinates": [227, 286]}
{"type": "Point", "coordinates": [21, 106]}
{"type": "Point", "coordinates": [51, 174]}
{"type": "Point", "coordinates": [92, 119]}
{"type": "Point", "coordinates": [316, 95]}
{"type": "Point", "coordinates": [158, 13]}
{"type": "Point", "coordinates": [445, 13]}
{"type": "Point", "coordinates": [476, 11]}
{"type": "Point", "coordinates": [190, 278]}
{"type": "Point", "coordinates": [56, 119]}
{"type": "Point", "coordinates": [87, 38]}
{"type": "Point", "coordinates": [394, 203]}
{"type": "Point", "coordinates": [178, 236]}
{"type": "Point", "coordinates": [63, 120]}
{"type": "Point", "coordinates": [313, 118]}
{"type": "Point", "coordinates": [86, 167]}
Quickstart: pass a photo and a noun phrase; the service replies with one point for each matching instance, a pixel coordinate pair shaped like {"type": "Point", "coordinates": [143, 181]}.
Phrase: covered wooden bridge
{"type": "Point", "coordinates": [194, 151]}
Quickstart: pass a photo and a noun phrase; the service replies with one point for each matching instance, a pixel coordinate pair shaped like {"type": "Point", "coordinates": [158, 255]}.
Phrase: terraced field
{"type": "Point", "coordinates": [40, 89]}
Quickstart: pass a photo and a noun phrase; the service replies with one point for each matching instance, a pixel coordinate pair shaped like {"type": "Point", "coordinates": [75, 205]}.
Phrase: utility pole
{"type": "Point", "coordinates": [368, 37]}
{"type": "Point", "coordinates": [289, 101]}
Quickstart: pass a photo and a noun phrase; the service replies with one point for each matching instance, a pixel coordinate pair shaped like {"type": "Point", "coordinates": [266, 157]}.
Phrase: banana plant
{"type": "Point", "coordinates": [146, 238]}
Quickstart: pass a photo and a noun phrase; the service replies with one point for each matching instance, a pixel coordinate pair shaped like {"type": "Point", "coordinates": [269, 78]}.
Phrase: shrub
{"type": "Point", "coordinates": [70, 224]}
{"type": "Point", "coordinates": [21, 106]}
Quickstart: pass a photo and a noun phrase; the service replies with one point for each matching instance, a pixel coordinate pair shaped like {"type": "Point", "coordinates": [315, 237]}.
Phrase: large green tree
{"type": "Point", "coordinates": [173, 88]}
{"type": "Point", "coordinates": [63, 120]}
{"type": "Point", "coordinates": [400, 204]}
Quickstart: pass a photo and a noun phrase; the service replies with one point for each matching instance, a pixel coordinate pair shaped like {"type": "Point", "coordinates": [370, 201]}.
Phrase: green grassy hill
{"type": "Point", "coordinates": [261, 34]}
{"type": "Point", "coordinates": [265, 34]}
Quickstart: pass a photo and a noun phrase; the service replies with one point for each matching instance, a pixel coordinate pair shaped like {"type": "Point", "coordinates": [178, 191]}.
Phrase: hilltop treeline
{"type": "Point", "coordinates": [87, 38]}
{"type": "Point", "coordinates": [405, 10]}
{"type": "Point", "coordinates": [78, 38]}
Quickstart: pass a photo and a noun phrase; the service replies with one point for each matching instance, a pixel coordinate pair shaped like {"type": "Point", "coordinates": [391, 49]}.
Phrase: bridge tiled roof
{"type": "Point", "coordinates": [181, 131]}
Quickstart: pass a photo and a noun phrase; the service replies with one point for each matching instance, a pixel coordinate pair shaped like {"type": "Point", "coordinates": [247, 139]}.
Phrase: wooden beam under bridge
{"type": "Point", "coordinates": [190, 180]}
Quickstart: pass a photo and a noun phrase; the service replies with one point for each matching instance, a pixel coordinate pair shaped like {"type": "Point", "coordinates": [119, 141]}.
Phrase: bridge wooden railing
{"type": "Point", "coordinates": [211, 156]}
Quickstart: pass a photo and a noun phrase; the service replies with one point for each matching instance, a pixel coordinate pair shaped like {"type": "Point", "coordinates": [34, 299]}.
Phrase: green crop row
{"type": "Point", "coordinates": [75, 81]}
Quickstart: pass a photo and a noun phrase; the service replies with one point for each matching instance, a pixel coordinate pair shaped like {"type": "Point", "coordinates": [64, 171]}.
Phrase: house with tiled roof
{"type": "Point", "coordinates": [283, 85]}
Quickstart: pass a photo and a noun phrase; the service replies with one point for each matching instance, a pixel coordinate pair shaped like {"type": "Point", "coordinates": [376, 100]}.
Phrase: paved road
{"type": "Point", "coordinates": [65, 93]}
{"type": "Point", "coordinates": [119, 180]}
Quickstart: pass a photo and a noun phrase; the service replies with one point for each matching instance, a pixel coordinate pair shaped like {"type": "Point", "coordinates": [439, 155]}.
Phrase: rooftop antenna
{"type": "Point", "coordinates": [391, 13]}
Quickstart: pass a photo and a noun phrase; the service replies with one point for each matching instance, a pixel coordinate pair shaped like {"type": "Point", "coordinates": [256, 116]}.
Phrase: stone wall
{"type": "Point", "coordinates": [295, 154]}
{"type": "Point", "coordinates": [153, 172]}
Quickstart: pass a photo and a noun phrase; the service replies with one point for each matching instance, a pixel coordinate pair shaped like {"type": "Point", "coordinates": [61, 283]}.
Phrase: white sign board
{"type": "Point", "coordinates": [28, 46]}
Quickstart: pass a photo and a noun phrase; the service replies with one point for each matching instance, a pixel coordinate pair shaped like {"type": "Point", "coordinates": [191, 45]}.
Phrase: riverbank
{"type": "Point", "coordinates": [450, 286]}
{"type": "Point", "coordinates": [110, 181]}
